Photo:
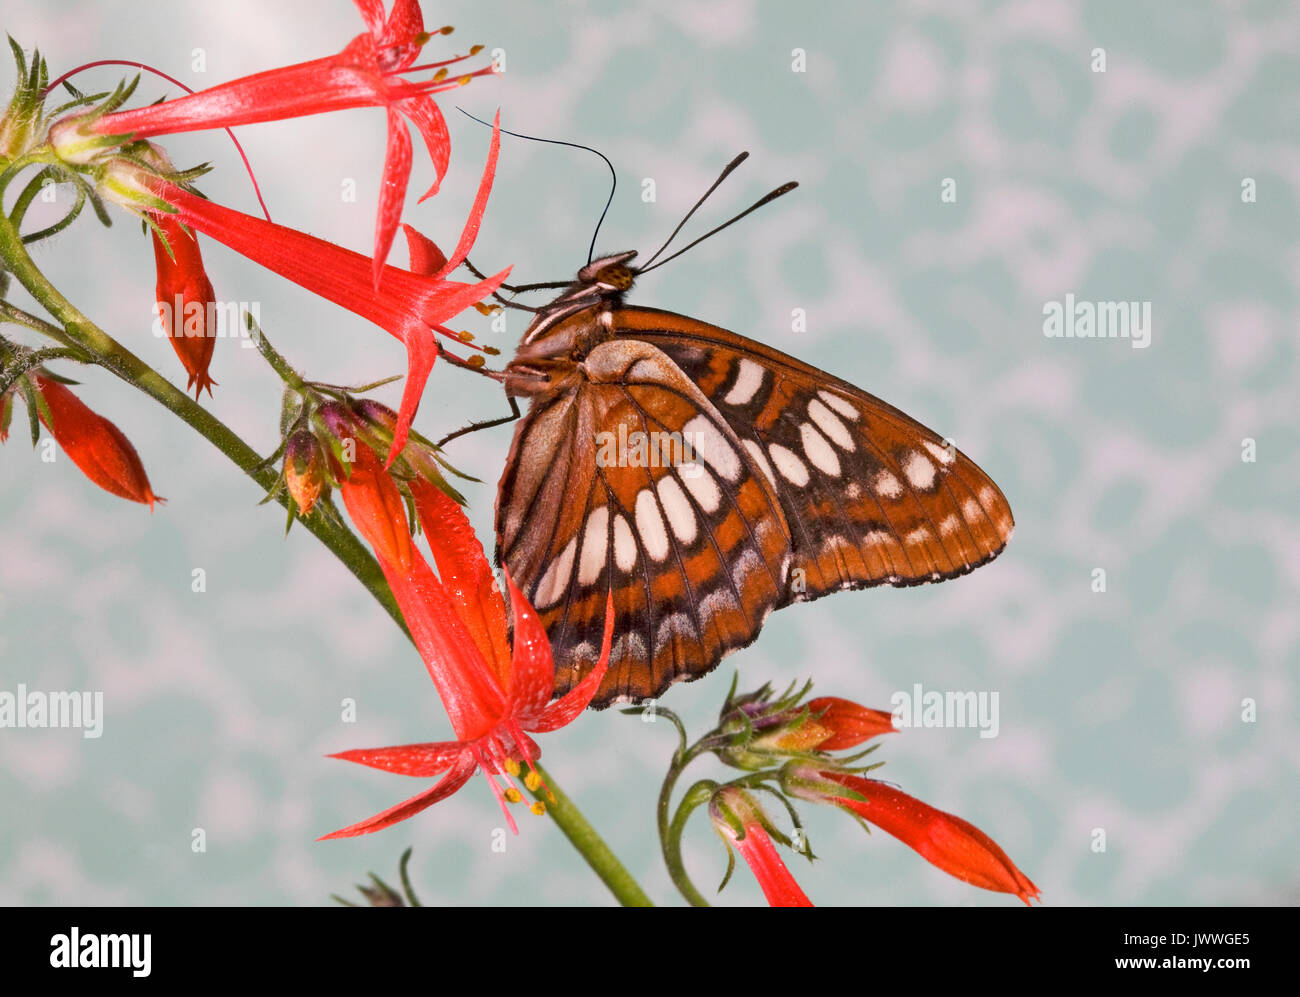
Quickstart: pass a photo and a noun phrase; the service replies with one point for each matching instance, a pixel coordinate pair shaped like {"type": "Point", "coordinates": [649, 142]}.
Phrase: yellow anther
{"type": "Point", "coordinates": [465, 336]}
{"type": "Point", "coordinates": [476, 360]}
{"type": "Point", "coordinates": [464, 79]}
{"type": "Point", "coordinates": [485, 309]}
{"type": "Point", "coordinates": [446, 29]}
{"type": "Point", "coordinates": [476, 50]}
{"type": "Point", "coordinates": [532, 780]}
{"type": "Point", "coordinates": [440, 75]}
{"type": "Point", "coordinates": [421, 38]}
{"type": "Point", "coordinates": [538, 808]}
{"type": "Point", "coordinates": [513, 795]}
{"type": "Point", "coordinates": [491, 351]}
{"type": "Point", "coordinates": [513, 767]}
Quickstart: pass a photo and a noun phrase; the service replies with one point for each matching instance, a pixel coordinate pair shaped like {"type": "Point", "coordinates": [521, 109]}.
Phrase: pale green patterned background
{"type": "Point", "coordinates": [1119, 710]}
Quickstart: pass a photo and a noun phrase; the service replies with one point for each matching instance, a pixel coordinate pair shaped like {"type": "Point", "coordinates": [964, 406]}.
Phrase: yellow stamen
{"type": "Point", "coordinates": [491, 351]}
{"type": "Point", "coordinates": [440, 75]}
{"type": "Point", "coordinates": [513, 795]}
{"type": "Point", "coordinates": [422, 37]}
{"type": "Point", "coordinates": [464, 79]}
{"type": "Point", "coordinates": [446, 29]}
{"type": "Point", "coordinates": [476, 360]}
{"type": "Point", "coordinates": [513, 767]}
{"type": "Point", "coordinates": [465, 336]}
{"type": "Point", "coordinates": [538, 808]}
{"type": "Point", "coordinates": [532, 780]}
{"type": "Point", "coordinates": [476, 50]}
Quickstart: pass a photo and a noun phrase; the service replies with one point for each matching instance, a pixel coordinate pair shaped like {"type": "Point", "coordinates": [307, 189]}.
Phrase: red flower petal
{"type": "Point", "coordinates": [426, 760]}
{"type": "Point", "coordinates": [451, 782]}
{"type": "Point", "coordinates": [392, 190]}
{"type": "Point", "coordinates": [465, 573]}
{"type": "Point", "coordinates": [563, 710]}
{"type": "Point", "coordinates": [778, 885]}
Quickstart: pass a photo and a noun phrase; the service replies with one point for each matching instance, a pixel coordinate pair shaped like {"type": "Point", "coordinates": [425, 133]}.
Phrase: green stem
{"type": "Point", "coordinates": [589, 844]}
{"type": "Point", "coordinates": [670, 832]}
{"type": "Point", "coordinates": [80, 332]}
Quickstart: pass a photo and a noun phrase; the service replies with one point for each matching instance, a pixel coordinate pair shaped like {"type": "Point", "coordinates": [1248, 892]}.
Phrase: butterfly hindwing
{"type": "Point", "coordinates": [870, 495]}
{"type": "Point", "coordinates": [632, 481]}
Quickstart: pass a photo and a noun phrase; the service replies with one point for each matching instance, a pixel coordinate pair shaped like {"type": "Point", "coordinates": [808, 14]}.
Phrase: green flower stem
{"type": "Point", "coordinates": [589, 844]}
{"type": "Point", "coordinates": [670, 831]}
{"type": "Point", "coordinates": [79, 332]}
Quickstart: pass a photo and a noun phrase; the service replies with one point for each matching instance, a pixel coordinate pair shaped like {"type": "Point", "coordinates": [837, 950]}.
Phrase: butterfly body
{"type": "Point", "coordinates": [707, 479]}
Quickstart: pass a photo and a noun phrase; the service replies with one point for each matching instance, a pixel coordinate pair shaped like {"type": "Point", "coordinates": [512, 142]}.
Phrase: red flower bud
{"type": "Point", "coordinates": [96, 446]}
{"type": "Point", "coordinates": [847, 724]}
{"type": "Point", "coordinates": [956, 846]}
{"type": "Point", "coordinates": [304, 470]}
{"type": "Point", "coordinates": [377, 509]}
{"type": "Point", "coordinates": [184, 294]}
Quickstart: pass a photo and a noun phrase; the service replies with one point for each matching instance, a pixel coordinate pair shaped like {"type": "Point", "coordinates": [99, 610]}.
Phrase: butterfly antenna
{"type": "Point", "coordinates": [680, 225]}
{"type": "Point", "coordinates": [785, 188]}
{"type": "Point", "coordinates": [613, 177]}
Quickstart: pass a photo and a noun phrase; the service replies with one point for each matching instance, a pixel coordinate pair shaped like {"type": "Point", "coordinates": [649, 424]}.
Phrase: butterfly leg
{"type": "Point", "coordinates": [514, 289]}
{"type": "Point", "coordinates": [474, 427]}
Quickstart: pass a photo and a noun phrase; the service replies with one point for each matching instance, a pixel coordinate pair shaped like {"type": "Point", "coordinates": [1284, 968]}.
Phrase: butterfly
{"type": "Point", "coordinates": [706, 479]}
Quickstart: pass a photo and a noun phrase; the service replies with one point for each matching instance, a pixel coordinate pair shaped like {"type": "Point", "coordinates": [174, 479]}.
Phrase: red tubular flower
{"type": "Point", "coordinates": [411, 304]}
{"type": "Point", "coordinates": [367, 73]}
{"type": "Point", "coordinates": [956, 846]}
{"type": "Point", "coordinates": [741, 822]}
{"type": "Point", "coordinates": [183, 296]}
{"type": "Point", "coordinates": [493, 692]}
{"type": "Point", "coordinates": [96, 446]}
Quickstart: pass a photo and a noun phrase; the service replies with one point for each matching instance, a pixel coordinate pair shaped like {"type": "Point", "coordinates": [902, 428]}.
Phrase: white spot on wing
{"type": "Point", "coordinates": [887, 485]}
{"type": "Point", "coordinates": [681, 516]}
{"type": "Point", "coordinates": [919, 471]}
{"type": "Point", "coordinates": [651, 525]}
{"type": "Point", "coordinates": [556, 579]}
{"type": "Point", "coordinates": [708, 442]}
{"type": "Point", "coordinates": [949, 525]}
{"type": "Point", "coordinates": [595, 543]}
{"type": "Point", "coordinates": [942, 454]}
{"type": "Point", "coordinates": [700, 484]}
{"type": "Point", "coordinates": [790, 466]}
{"type": "Point", "coordinates": [819, 451]}
{"type": "Point", "coordinates": [830, 425]}
{"type": "Point", "coordinates": [756, 454]}
{"type": "Point", "coordinates": [624, 544]}
{"type": "Point", "coordinates": [749, 378]}
{"type": "Point", "coordinates": [841, 405]}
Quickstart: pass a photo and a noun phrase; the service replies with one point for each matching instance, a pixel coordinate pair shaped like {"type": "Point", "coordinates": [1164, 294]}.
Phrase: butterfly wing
{"type": "Point", "coordinates": [870, 495]}
{"type": "Point", "coordinates": [632, 481]}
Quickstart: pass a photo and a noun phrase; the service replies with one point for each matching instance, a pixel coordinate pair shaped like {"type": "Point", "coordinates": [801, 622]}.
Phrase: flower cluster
{"type": "Point", "coordinates": [784, 744]}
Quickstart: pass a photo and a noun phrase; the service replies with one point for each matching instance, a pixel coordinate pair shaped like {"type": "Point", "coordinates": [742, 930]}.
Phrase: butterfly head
{"type": "Point", "coordinates": [610, 273]}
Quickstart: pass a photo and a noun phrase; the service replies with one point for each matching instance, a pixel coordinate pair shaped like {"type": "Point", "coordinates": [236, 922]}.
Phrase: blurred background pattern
{"type": "Point", "coordinates": [1120, 710]}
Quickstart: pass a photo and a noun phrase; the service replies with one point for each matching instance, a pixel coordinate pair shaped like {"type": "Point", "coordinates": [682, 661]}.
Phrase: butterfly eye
{"type": "Point", "coordinates": [616, 275]}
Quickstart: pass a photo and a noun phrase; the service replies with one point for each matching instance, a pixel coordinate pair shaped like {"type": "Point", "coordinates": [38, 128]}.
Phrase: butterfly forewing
{"type": "Point", "coordinates": [870, 495]}
{"type": "Point", "coordinates": [632, 481]}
